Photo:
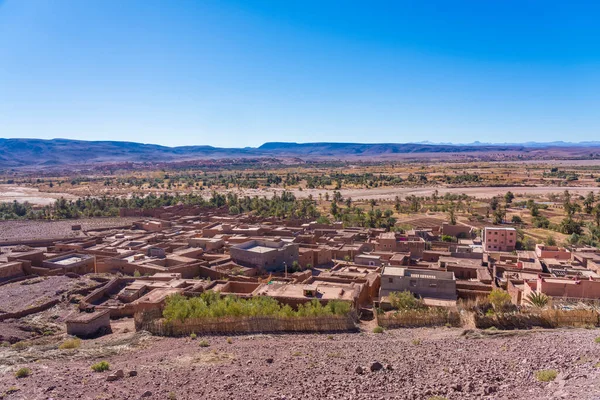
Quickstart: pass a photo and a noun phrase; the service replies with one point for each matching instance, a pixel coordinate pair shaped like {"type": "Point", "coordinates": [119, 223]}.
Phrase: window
{"type": "Point", "coordinates": [391, 280]}
{"type": "Point", "coordinates": [433, 285]}
{"type": "Point", "coordinates": [412, 283]}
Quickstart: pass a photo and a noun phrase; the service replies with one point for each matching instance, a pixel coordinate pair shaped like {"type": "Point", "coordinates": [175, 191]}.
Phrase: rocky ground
{"type": "Point", "coordinates": [408, 364]}
{"type": "Point", "coordinates": [22, 295]}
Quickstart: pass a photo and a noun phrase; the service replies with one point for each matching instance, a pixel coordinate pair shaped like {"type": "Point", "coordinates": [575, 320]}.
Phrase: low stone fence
{"type": "Point", "coordinates": [30, 310]}
{"type": "Point", "coordinates": [418, 318]}
{"type": "Point", "coordinates": [243, 325]}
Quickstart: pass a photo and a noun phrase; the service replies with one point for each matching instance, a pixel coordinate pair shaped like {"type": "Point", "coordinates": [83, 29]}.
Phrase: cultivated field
{"type": "Point", "coordinates": [31, 230]}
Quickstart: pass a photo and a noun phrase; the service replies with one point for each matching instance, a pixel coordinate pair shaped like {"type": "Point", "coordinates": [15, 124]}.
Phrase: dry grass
{"type": "Point", "coordinates": [70, 344]}
{"type": "Point", "coordinates": [546, 375]}
{"type": "Point", "coordinates": [100, 366]}
{"type": "Point", "coordinates": [22, 373]}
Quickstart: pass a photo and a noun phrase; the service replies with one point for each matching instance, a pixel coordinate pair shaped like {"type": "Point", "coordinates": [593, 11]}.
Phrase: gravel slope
{"type": "Point", "coordinates": [425, 363]}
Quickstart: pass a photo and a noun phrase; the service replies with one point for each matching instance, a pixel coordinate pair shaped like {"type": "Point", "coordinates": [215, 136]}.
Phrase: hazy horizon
{"type": "Point", "coordinates": [243, 73]}
{"type": "Point", "coordinates": [425, 142]}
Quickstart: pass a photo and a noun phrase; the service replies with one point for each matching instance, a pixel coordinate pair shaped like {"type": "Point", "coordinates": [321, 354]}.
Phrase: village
{"type": "Point", "coordinates": [184, 250]}
{"type": "Point", "coordinates": [107, 286]}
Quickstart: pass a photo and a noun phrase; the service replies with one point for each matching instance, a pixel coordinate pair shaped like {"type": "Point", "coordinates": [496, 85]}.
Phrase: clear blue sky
{"type": "Point", "coordinates": [240, 73]}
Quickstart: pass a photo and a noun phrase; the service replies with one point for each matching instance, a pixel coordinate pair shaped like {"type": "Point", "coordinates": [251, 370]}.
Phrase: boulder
{"type": "Point", "coordinates": [376, 366]}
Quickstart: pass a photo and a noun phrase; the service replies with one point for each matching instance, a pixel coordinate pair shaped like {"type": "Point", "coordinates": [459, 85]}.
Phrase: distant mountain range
{"type": "Point", "coordinates": [38, 153]}
{"type": "Point", "coordinates": [525, 144]}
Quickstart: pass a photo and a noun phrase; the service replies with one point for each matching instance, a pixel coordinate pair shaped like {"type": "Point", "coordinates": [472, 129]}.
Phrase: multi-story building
{"type": "Point", "coordinates": [499, 239]}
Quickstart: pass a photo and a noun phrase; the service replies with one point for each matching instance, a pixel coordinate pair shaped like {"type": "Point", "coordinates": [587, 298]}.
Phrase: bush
{"type": "Point", "coordinates": [22, 345]}
{"type": "Point", "coordinates": [405, 301]}
{"type": "Point", "coordinates": [378, 329]}
{"type": "Point", "coordinates": [211, 305]}
{"type": "Point", "coordinates": [538, 299]}
{"type": "Point", "coordinates": [204, 343]}
{"type": "Point", "coordinates": [229, 340]}
{"type": "Point", "coordinates": [499, 299]}
{"type": "Point", "coordinates": [101, 366]}
{"type": "Point", "coordinates": [23, 373]}
{"type": "Point", "coordinates": [193, 336]}
{"type": "Point", "coordinates": [546, 375]}
{"type": "Point", "coordinates": [597, 340]}
{"type": "Point", "coordinates": [70, 344]}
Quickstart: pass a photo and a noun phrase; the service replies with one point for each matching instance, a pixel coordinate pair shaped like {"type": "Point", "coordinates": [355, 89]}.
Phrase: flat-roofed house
{"type": "Point", "coordinates": [269, 255]}
{"type": "Point", "coordinates": [88, 324]}
{"type": "Point", "coordinates": [74, 262]}
{"type": "Point", "coordinates": [428, 284]}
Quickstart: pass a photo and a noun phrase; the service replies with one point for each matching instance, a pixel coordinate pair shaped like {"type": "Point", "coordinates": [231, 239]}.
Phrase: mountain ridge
{"type": "Point", "coordinates": [42, 153]}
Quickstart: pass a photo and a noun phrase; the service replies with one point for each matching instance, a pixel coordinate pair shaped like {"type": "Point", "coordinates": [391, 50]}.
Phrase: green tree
{"type": "Point", "coordinates": [494, 203]}
{"type": "Point", "coordinates": [588, 203]}
{"type": "Point", "coordinates": [452, 215]}
{"type": "Point", "coordinates": [499, 299]}
{"type": "Point", "coordinates": [499, 214]}
{"type": "Point", "coordinates": [509, 197]}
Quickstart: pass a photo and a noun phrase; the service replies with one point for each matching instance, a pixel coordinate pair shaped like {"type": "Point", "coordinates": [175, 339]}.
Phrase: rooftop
{"type": "Point", "coordinates": [261, 249]}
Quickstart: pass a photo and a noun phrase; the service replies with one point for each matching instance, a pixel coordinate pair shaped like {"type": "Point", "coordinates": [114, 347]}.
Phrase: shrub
{"type": "Point", "coordinates": [101, 366]}
{"type": "Point", "coordinates": [499, 299]}
{"type": "Point", "coordinates": [405, 301]}
{"type": "Point", "coordinates": [211, 305]}
{"type": "Point", "coordinates": [70, 344]}
{"type": "Point", "coordinates": [378, 329]}
{"type": "Point", "coordinates": [22, 345]}
{"type": "Point", "coordinates": [204, 343]}
{"type": "Point", "coordinates": [193, 336]}
{"type": "Point", "coordinates": [416, 342]}
{"type": "Point", "coordinates": [597, 340]}
{"type": "Point", "coordinates": [229, 340]}
{"type": "Point", "coordinates": [538, 299]}
{"type": "Point", "coordinates": [546, 375]}
{"type": "Point", "coordinates": [23, 373]}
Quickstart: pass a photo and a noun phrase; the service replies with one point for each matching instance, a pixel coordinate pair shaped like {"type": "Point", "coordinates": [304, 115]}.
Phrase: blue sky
{"type": "Point", "coordinates": [241, 73]}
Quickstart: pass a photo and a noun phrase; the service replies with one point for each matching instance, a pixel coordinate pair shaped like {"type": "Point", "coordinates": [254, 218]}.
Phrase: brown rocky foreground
{"type": "Point", "coordinates": [415, 364]}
